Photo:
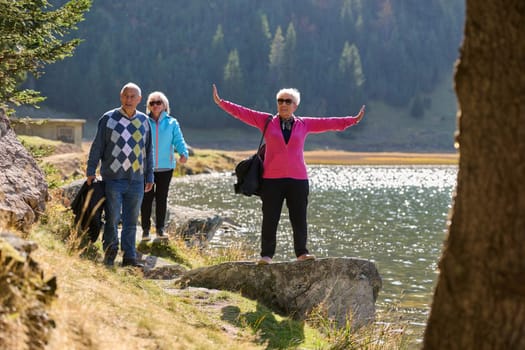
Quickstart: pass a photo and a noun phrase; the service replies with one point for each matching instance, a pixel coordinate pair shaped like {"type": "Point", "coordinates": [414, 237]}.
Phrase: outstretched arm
{"type": "Point", "coordinates": [251, 117]}
{"type": "Point", "coordinates": [322, 124]}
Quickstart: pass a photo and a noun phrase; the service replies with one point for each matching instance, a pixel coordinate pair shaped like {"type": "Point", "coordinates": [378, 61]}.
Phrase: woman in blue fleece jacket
{"type": "Point", "coordinates": [167, 139]}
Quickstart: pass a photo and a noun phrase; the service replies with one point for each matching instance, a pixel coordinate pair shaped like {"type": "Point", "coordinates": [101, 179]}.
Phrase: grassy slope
{"type": "Point", "coordinates": [99, 308]}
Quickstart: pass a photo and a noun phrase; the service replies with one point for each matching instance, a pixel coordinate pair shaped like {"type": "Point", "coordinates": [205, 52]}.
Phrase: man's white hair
{"type": "Point", "coordinates": [132, 86]}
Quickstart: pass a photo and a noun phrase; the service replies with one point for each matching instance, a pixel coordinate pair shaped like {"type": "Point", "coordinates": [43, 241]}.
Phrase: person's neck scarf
{"type": "Point", "coordinates": [286, 124]}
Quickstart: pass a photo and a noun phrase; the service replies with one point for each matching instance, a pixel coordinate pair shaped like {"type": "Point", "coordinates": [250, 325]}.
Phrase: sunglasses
{"type": "Point", "coordinates": [153, 103]}
{"type": "Point", "coordinates": [288, 101]}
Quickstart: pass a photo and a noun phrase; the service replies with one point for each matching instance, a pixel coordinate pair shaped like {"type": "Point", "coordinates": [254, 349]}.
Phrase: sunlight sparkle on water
{"type": "Point", "coordinates": [345, 178]}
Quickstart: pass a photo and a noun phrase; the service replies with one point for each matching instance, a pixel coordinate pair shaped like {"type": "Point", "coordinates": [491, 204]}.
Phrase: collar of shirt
{"type": "Point", "coordinates": [123, 112]}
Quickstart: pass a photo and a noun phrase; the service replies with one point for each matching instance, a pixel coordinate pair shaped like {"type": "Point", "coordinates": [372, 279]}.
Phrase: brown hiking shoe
{"type": "Point", "coordinates": [265, 260]}
{"type": "Point", "coordinates": [306, 257]}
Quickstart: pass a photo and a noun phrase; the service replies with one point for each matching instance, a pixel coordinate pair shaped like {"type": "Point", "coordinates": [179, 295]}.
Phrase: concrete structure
{"type": "Point", "coordinates": [66, 130]}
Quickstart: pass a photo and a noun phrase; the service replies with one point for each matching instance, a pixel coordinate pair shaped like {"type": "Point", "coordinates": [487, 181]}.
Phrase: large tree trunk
{"type": "Point", "coordinates": [479, 301]}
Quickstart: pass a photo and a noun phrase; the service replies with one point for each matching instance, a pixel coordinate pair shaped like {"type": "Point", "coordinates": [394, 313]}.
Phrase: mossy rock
{"type": "Point", "coordinates": [164, 249]}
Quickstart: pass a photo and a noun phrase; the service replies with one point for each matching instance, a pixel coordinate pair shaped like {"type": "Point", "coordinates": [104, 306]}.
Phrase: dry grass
{"type": "Point", "coordinates": [379, 158]}
{"type": "Point", "coordinates": [204, 160]}
{"type": "Point", "coordinates": [379, 335]}
{"type": "Point", "coordinates": [99, 308]}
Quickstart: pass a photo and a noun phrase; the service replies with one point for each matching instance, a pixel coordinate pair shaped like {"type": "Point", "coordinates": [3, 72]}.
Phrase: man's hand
{"type": "Point", "coordinates": [149, 186]}
{"type": "Point", "coordinates": [183, 159]}
{"type": "Point", "coordinates": [90, 179]}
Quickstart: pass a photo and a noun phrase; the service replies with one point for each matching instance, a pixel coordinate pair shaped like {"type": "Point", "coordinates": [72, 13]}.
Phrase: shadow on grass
{"type": "Point", "coordinates": [276, 334]}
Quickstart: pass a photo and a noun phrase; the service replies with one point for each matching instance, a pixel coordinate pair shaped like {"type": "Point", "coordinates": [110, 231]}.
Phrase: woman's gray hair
{"type": "Point", "coordinates": [296, 95]}
{"type": "Point", "coordinates": [163, 98]}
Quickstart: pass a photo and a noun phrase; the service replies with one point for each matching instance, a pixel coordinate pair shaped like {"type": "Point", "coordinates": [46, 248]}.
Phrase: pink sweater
{"type": "Point", "coordinates": [284, 160]}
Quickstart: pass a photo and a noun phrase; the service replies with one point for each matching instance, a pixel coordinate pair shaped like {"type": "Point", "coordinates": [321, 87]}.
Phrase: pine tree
{"type": "Point", "coordinates": [350, 64]}
{"type": "Point", "coordinates": [276, 54]}
{"type": "Point", "coordinates": [233, 75]}
{"type": "Point", "coordinates": [289, 55]}
{"type": "Point", "coordinates": [31, 36]}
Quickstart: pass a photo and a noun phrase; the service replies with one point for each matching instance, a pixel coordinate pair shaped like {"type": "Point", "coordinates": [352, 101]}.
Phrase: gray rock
{"type": "Point", "coordinates": [23, 188]}
{"type": "Point", "coordinates": [346, 288]}
{"type": "Point", "coordinates": [23, 247]}
{"type": "Point", "coordinates": [70, 190]}
{"type": "Point", "coordinates": [4, 123]}
{"type": "Point", "coordinates": [197, 227]}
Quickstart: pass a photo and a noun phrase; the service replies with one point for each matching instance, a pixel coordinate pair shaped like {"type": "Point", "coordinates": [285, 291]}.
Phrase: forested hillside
{"type": "Point", "coordinates": [388, 54]}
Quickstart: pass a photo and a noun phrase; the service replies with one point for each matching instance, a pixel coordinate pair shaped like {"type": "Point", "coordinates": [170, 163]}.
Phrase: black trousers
{"type": "Point", "coordinates": [159, 192]}
{"type": "Point", "coordinates": [273, 193]}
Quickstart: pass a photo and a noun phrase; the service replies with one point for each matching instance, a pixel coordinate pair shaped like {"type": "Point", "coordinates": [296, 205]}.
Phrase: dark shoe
{"type": "Point", "coordinates": [161, 235]}
{"type": "Point", "coordinates": [110, 256]}
{"type": "Point", "coordinates": [132, 262]}
{"type": "Point", "coordinates": [145, 235]}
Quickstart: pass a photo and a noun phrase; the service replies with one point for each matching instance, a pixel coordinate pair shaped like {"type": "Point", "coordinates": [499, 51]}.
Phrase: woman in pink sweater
{"type": "Point", "coordinates": [285, 175]}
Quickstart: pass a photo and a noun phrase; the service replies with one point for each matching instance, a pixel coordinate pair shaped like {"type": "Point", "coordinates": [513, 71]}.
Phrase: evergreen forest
{"type": "Point", "coordinates": [395, 56]}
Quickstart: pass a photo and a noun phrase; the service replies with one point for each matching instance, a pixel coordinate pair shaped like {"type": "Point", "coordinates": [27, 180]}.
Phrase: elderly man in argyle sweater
{"type": "Point", "coordinates": [122, 146]}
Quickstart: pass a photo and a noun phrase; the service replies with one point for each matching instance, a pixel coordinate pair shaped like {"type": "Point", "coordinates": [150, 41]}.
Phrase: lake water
{"type": "Point", "coordinates": [395, 216]}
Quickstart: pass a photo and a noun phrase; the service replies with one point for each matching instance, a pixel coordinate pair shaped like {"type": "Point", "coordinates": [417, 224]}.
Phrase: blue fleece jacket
{"type": "Point", "coordinates": [123, 147]}
{"type": "Point", "coordinates": [166, 139]}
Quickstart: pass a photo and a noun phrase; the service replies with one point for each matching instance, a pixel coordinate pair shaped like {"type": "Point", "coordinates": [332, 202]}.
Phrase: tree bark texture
{"type": "Point", "coordinates": [479, 301]}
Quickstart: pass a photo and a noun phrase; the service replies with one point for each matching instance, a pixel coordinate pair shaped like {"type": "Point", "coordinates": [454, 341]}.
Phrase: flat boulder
{"type": "Point", "coordinates": [345, 288]}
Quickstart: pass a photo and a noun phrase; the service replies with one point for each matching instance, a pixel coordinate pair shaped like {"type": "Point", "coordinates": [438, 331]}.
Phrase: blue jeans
{"type": "Point", "coordinates": [123, 200]}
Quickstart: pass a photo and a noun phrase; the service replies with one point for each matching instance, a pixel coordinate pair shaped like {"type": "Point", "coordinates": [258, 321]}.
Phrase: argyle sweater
{"type": "Point", "coordinates": [123, 148]}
